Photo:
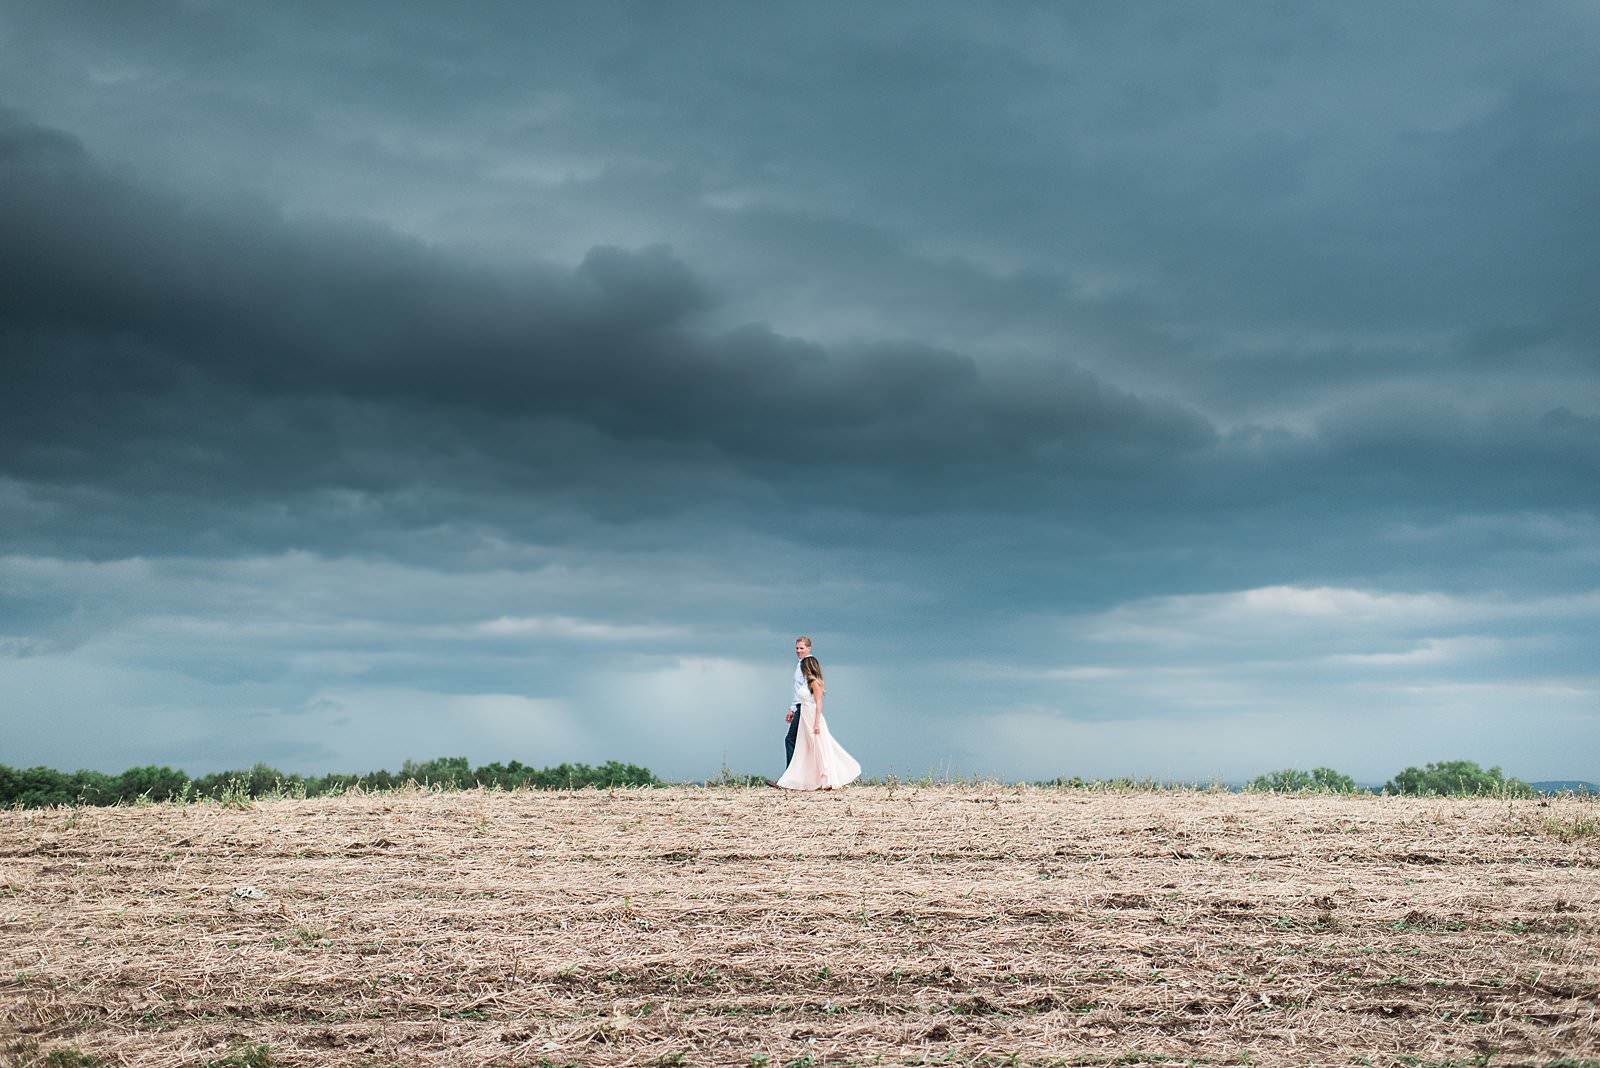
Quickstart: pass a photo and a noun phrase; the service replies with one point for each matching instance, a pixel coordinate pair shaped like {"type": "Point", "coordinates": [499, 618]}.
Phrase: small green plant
{"type": "Point", "coordinates": [1570, 829]}
{"type": "Point", "coordinates": [249, 1056]}
{"type": "Point", "coordinates": [311, 936]}
{"type": "Point", "coordinates": [290, 789]}
{"type": "Point", "coordinates": [236, 794]}
{"type": "Point", "coordinates": [70, 1058]}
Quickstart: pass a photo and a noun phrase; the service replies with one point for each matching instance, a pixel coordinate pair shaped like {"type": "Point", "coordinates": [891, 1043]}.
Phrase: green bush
{"type": "Point", "coordinates": [1457, 778]}
{"type": "Point", "coordinates": [1293, 780]}
{"type": "Point", "coordinates": [153, 783]}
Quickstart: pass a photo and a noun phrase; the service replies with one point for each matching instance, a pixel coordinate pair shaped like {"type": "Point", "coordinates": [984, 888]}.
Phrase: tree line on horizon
{"type": "Point", "coordinates": [1447, 778]}
{"type": "Point", "coordinates": [41, 787]}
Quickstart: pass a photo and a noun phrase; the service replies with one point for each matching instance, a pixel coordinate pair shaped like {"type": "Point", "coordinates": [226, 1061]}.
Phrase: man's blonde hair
{"type": "Point", "coordinates": [803, 638]}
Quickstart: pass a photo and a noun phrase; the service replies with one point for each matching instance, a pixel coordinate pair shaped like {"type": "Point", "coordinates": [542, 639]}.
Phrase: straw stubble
{"type": "Point", "coordinates": [952, 924]}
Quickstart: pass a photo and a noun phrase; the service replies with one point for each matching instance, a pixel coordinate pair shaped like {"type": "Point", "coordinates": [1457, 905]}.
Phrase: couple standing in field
{"type": "Point", "coordinates": [816, 761]}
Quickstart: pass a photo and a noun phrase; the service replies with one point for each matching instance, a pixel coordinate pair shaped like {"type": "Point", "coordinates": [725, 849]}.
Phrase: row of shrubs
{"type": "Point", "coordinates": [41, 787]}
{"type": "Point", "coordinates": [1447, 778]}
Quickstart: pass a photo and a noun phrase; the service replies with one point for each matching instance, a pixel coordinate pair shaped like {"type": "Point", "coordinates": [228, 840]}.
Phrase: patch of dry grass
{"type": "Point", "coordinates": [947, 925]}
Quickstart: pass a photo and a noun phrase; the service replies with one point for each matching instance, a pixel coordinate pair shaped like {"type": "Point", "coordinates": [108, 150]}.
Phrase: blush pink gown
{"type": "Point", "coordinates": [819, 762]}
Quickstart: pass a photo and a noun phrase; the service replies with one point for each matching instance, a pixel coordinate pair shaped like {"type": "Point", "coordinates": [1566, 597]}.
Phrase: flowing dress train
{"type": "Point", "coordinates": [819, 762]}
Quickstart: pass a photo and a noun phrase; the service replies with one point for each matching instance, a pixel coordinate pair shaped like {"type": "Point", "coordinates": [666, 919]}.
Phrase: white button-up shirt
{"type": "Point", "coordinates": [802, 692]}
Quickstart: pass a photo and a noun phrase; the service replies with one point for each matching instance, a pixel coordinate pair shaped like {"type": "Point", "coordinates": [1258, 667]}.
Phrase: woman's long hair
{"type": "Point", "coordinates": [810, 669]}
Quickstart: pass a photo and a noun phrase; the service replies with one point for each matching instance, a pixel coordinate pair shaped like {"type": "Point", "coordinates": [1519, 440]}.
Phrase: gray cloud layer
{"type": "Point", "coordinates": [981, 320]}
{"type": "Point", "coordinates": [177, 358]}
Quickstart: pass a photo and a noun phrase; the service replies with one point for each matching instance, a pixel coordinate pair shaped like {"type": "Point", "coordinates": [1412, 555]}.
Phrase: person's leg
{"type": "Point", "coordinates": [789, 739]}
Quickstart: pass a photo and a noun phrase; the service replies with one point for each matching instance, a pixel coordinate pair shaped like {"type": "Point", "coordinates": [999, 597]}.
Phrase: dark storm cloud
{"type": "Point", "coordinates": [182, 365]}
{"type": "Point", "coordinates": [176, 347]}
{"type": "Point", "coordinates": [1150, 189]}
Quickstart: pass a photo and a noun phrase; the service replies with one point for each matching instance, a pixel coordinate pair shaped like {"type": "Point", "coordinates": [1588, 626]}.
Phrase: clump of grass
{"type": "Point", "coordinates": [312, 936]}
{"type": "Point", "coordinates": [249, 1056]}
{"type": "Point", "coordinates": [235, 795]}
{"type": "Point", "coordinates": [70, 1058]}
{"type": "Point", "coordinates": [1569, 829]}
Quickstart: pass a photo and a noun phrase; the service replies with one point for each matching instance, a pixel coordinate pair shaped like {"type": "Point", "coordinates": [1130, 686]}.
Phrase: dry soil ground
{"type": "Point", "coordinates": [944, 925]}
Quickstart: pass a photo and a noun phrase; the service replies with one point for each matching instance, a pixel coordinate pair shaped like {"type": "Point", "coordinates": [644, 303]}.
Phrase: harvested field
{"type": "Point", "coordinates": [944, 925]}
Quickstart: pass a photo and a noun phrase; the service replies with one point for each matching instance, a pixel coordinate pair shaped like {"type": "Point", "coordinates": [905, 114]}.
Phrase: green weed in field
{"type": "Point", "coordinates": [236, 794]}
{"type": "Point", "coordinates": [249, 1056]}
{"type": "Point", "coordinates": [465, 1014]}
{"type": "Point", "coordinates": [1570, 829]}
{"type": "Point", "coordinates": [70, 1058]}
{"type": "Point", "coordinates": [312, 936]}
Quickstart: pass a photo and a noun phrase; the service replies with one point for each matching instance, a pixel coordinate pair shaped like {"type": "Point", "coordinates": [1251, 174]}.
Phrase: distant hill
{"type": "Point", "coordinates": [1566, 786]}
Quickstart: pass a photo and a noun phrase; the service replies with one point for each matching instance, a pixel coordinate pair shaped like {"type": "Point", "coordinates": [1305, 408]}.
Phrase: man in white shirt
{"type": "Point", "coordinates": [802, 649]}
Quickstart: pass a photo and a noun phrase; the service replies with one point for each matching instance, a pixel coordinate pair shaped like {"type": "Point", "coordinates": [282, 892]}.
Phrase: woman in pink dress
{"type": "Point", "coordinates": [819, 762]}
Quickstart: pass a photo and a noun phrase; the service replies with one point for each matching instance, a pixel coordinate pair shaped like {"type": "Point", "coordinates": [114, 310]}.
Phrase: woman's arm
{"type": "Point", "coordinates": [816, 694]}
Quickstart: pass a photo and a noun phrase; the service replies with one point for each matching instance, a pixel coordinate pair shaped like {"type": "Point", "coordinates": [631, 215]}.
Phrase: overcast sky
{"type": "Point", "coordinates": [1175, 390]}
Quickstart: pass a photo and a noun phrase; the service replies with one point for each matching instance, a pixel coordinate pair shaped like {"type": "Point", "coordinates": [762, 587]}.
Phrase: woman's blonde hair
{"type": "Point", "coordinates": [811, 669]}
